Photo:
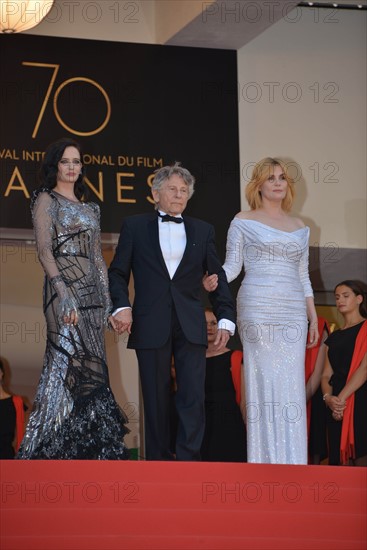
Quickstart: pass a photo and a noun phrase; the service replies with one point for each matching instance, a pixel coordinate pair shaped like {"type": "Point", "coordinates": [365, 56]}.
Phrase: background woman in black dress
{"type": "Point", "coordinates": [12, 419]}
{"type": "Point", "coordinates": [344, 379]}
{"type": "Point", "coordinates": [316, 413]}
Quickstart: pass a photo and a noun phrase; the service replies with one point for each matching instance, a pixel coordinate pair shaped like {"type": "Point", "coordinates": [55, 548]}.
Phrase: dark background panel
{"type": "Point", "coordinates": [167, 104]}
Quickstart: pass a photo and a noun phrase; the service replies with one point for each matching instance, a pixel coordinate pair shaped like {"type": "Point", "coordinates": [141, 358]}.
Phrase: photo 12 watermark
{"type": "Point", "coordinates": [273, 492]}
{"type": "Point", "coordinates": [69, 492]}
{"type": "Point", "coordinates": [72, 12]}
{"type": "Point", "coordinates": [252, 12]}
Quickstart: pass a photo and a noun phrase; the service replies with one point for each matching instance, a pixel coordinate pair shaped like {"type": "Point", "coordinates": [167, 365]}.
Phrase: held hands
{"type": "Point", "coordinates": [210, 282]}
{"type": "Point", "coordinates": [336, 406]}
{"type": "Point", "coordinates": [121, 322]}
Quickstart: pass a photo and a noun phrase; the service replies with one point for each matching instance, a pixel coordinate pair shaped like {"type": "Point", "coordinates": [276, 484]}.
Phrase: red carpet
{"type": "Point", "coordinates": [67, 505]}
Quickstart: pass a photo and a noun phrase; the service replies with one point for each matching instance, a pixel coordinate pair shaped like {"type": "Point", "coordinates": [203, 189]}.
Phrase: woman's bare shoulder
{"type": "Point", "coordinates": [298, 223]}
{"type": "Point", "coordinates": [245, 215]}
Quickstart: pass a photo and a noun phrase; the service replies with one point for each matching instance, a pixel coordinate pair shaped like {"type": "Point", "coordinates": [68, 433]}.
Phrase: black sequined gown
{"type": "Point", "coordinates": [75, 415]}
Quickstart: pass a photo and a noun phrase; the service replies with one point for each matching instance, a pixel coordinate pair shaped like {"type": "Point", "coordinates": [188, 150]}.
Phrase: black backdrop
{"type": "Point", "coordinates": [133, 108]}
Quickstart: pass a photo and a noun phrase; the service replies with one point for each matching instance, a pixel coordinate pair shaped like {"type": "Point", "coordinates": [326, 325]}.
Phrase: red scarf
{"type": "Point", "coordinates": [347, 445]}
{"type": "Point", "coordinates": [236, 363]}
{"type": "Point", "coordinates": [19, 415]}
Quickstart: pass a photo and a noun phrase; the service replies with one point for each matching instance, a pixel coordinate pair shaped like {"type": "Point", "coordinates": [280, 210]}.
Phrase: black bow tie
{"type": "Point", "coordinates": [168, 218]}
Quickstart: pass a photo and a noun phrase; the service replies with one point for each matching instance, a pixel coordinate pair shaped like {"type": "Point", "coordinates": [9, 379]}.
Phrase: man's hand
{"type": "Point", "coordinates": [121, 322]}
{"type": "Point", "coordinates": [210, 282]}
{"type": "Point", "coordinates": [222, 338]}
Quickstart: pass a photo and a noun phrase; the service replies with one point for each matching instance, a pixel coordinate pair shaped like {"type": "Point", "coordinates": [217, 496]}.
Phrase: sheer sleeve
{"type": "Point", "coordinates": [234, 251]}
{"type": "Point", "coordinates": [43, 207]}
{"type": "Point", "coordinates": [102, 270]}
{"type": "Point", "coordinates": [303, 273]}
{"type": "Point", "coordinates": [43, 227]}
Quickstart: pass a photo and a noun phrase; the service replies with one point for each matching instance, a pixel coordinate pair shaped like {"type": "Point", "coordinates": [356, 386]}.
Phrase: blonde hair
{"type": "Point", "coordinates": [261, 172]}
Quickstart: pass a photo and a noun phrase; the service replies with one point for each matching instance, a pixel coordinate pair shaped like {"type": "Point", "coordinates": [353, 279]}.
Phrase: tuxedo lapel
{"type": "Point", "coordinates": [154, 239]}
{"type": "Point", "coordinates": [190, 243]}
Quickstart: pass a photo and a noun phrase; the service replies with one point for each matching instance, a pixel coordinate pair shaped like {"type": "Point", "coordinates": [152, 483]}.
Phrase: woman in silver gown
{"type": "Point", "coordinates": [75, 415]}
{"type": "Point", "coordinates": [273, 303]}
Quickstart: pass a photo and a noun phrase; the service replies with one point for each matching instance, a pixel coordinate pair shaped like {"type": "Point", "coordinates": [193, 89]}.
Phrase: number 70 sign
{"type": "Point", "coordinates": [57, 92]}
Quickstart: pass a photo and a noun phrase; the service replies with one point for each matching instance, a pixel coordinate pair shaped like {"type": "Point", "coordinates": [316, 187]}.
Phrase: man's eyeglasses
{"type": "Point", "coordinates": [74, 162]}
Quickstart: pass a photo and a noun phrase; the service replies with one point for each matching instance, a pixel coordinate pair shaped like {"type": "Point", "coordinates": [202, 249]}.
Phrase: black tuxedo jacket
{"type": "Point", "coordinates": [138, 251]}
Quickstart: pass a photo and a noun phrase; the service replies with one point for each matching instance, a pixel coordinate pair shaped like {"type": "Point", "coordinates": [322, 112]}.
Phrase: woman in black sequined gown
{"type": "Point", "coordinates": [75, 415]}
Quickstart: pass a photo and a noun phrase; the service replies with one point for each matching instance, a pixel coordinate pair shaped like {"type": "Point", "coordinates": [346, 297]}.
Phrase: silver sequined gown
{"type": "Point", "coordinates": [75, 415]}
{"type": "Point", "coordinates": [272, 324]}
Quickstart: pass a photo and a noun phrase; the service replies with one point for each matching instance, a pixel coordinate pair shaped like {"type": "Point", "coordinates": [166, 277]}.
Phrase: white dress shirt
{"type": "Point", "coordinates": [172, 240]}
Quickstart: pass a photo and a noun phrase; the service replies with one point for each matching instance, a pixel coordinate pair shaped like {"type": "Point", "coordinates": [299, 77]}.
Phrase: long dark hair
{"type": "Point", "coordinates": [49, 167]}
{"type": "Point", "coordinates": [359, 288]}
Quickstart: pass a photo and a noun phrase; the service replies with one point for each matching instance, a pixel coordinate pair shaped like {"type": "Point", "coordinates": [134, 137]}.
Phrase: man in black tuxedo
{"type": "Point", "coordinates": [168, 255]}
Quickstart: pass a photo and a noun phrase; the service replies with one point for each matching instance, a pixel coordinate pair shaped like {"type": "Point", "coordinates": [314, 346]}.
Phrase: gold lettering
{"type": "Point", "coordinates": [121, 188]}
{"type": "Point", "coordinates": [125, 161]}
{"type": "Point", "coordinates": [149, 162]}
{"type": "Point", "coordinates": [20, 187]}
{"type": "Point", "coordinates": [32, 155]}
{"type": "Point", "coordinates": [107, 159]}
{"type": "Point", "coordinates": [98, 159]}
{"type": "Point", "coordinates": [150, 180]}
{"type": "Point", "coordinates": [56, 97]}
{"type": "Point", "coordinates": [103, 92]}
{"type": "Point", "coordinates": [150, 183]}
{"type": "Point", "coordinates": [8, 154]}
{"type": "Point", "coordinates": [48, 93]}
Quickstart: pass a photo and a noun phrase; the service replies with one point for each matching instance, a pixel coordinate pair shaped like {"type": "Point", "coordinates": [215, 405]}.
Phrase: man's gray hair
{"type": "Point", "coordinates": [164, 173]}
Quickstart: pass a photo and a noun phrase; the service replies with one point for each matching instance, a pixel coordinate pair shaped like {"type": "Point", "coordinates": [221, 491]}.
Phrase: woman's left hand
{"type": "Point", "coordinates": [71, 318]}
{"type": "Point", "coordinates": [313, 335]}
